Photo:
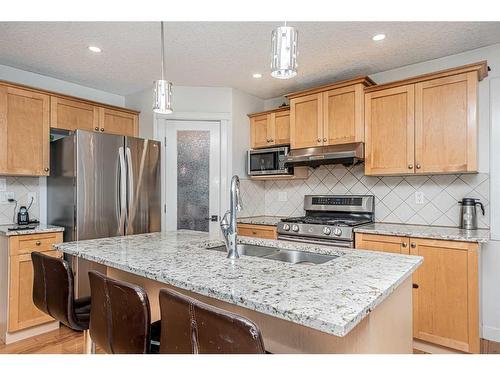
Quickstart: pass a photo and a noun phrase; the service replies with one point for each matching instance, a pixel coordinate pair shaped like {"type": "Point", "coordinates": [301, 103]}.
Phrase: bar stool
{"type": "Point", "coordinates": [120, 317]}
{"type": "Point", "coordinates": [193, 327]}
{"type": "Point", "coordinates": [53, 293]}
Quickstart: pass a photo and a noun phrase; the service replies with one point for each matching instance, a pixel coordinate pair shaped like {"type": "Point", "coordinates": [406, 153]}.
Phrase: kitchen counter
{"type": "Point", "coordinates": [332, 297]}
{"type": "Point", "coordinates": [426, 231]}
{"type": "Point", "coordinates": [261, 220]}
{"type": "Point", "coordinates": [40, 228]}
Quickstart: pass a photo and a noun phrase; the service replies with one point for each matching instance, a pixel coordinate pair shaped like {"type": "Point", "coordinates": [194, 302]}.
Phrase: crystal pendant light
{"type": "Point", "coordinates": [162, 89]}
{"type": "Point", "coordinates": [284, 52]}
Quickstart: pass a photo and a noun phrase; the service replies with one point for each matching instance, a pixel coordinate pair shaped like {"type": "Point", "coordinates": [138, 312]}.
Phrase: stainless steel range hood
{"type": "Point", "coordinates": [348, 154]}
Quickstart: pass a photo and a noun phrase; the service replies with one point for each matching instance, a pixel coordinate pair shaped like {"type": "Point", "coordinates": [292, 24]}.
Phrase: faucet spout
{"type": "Point", "coordinates": [228, 223]}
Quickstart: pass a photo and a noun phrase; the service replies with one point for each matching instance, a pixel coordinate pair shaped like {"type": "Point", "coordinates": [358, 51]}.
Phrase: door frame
{"type": "Point", "coordinates": [226, 165]}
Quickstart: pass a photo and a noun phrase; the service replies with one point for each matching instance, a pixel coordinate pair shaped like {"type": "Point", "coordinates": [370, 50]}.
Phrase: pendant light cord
{"type": "Point", "coordinates": [162, 53]}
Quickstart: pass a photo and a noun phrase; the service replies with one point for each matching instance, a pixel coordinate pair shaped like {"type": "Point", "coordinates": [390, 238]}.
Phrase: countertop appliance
{"type": "Point", "coordinates": [268, 161]}
{"type": "Point", "coordinates": [103, 185]}
{"type": "Point", "coordinates": [329, 219]}
{"type": "Point", "coordinates": [468, 215]}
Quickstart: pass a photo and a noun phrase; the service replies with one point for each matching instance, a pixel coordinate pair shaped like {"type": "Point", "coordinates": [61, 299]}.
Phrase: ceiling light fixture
{"type": "Point", "coordinates": [257, 75]}
{"type": "Point", "coordinates": [284, 52]}
{"type": "Point", "coordinates": [378, 37]}
{"type": "Point", "coordinates": [162, 89]}
{"type": "Point", "coordinates": [95, 49]}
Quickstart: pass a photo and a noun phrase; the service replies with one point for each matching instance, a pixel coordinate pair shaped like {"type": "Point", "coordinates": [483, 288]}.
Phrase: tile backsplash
{"type": "Point", "coordinates": [21, 187]}
{"type": "Point", "coordinates": [395, 197]}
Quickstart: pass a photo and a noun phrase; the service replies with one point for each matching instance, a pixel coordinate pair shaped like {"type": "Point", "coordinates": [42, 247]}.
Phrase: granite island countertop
{"type": "Point", "coordinates": [261, 220]}
{"type": "Point", "coordinates": [426, 231]}
{"type": "Point", "coordinates": [332, 297]}
{"type": "Point", "coordinates": [39, 228]}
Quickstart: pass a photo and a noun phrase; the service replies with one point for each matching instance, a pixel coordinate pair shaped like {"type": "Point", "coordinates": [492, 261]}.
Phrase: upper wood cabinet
{"type": "Point", "coordinates": [328, 115]}
{"type": "Point", "coordinates": [71, 114]}
{"type": "Point", "coordinates": [270, 128]}
{"type": "Point", "coordinates": [424, 125]}
{"type": "Point", "coordinates": [118, 122]}
{"type": "Point", "coordinates": [24, 132]}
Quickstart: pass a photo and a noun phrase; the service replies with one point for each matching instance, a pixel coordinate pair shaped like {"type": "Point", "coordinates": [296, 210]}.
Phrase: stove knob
{"type": "Point", "coordinates": [327, 230]}
{"type": "Point", "coordinates": [295, 227]}
{"type": "Point", "coordinates": [286, 227]}
{"type": "Point", "coordinates": [337, 231]}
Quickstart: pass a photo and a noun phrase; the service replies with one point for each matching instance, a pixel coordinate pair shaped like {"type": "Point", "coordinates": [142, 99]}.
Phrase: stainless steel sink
{"type": "Point", "coordinates": [300, 257]}
{"type": "Point", "coordinates": [250, 250]}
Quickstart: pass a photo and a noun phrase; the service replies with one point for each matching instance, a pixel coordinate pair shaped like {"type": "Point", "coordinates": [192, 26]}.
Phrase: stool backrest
{"type": "Point", "coordinates": [53, 288]}
{"type": "Point", "coordinates": [189, 326]}
{"type": "Point", "coordinates": [120, 316]}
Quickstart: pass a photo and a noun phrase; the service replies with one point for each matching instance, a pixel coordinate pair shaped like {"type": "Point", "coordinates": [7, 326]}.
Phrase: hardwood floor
{"type": "Point", "coordinates": [66, 341]}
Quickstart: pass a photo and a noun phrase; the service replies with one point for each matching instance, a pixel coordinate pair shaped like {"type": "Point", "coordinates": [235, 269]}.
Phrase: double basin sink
{"type": "Point", "coordinates": [272, 253]}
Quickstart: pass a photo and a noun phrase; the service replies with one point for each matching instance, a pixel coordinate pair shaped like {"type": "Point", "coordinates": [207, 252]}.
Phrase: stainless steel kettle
{"type": "Point", "coordinates": [468, 218]}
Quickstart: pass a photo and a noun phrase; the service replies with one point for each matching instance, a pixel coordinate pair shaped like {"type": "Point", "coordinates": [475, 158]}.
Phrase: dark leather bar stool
{"type": "Point", "coordinates": [120, 317]}
{"type": "Point", "coordinates": [193, 327]}
{"type": "Point", "coordinates": [53, 293]}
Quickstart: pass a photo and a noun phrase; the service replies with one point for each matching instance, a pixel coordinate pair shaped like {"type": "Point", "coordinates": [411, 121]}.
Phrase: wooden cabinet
{"type": "Point", "coordinates": [22, 313]}
{"type": "Point", "coordinates": [118, 122]}
{"type": "Point", "coordinates": [271, 128]}
{"type": "Point", "coordinates": [424, 125]}
{"type": "Point", "coordinates": [328, 115]}
{"type": "Point", "coordinates": [445, 288]}
{"type": "Point", "coordinates": [24, 132]}
{"type": "Point", "coordinates": [71, 114]}
{"type": "Point", "coordinates": [260, 231]}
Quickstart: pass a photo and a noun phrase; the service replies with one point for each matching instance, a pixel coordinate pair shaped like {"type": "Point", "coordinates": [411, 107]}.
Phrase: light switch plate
{"type": "Point", "coordinates": [3, 184]}
{"type": "Point", "coordinates": [419, 197]}
{"type": "Point", "coordinates": [282, 196]}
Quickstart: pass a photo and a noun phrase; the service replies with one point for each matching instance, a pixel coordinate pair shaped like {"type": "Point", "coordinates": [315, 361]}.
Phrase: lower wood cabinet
{"type": "Point", "coordinates": [445, 288]}
{"type": "Point", "coordinates": [21, 311]}
{"type": "Point", "coordinates": [260, 231]}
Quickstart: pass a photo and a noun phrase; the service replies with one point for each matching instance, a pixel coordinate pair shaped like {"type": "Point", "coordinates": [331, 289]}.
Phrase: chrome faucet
{"type": "Point", "coordinates": [228, 222]}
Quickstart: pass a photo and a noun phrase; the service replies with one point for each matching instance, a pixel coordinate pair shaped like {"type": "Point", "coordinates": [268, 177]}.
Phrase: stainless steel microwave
{"type": "Point", "coordinates": [268, 161]}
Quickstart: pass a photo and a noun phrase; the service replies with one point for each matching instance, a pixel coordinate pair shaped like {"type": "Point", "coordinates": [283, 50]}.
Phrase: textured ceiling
{"type": "Point", "coordinates": [227, 53]}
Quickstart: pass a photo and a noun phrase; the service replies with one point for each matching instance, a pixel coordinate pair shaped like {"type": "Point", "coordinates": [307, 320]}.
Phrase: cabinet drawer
{"type": "Point", "coordinates": [260, 231]}
{"type": "Point", "coordinates": [25, 244]}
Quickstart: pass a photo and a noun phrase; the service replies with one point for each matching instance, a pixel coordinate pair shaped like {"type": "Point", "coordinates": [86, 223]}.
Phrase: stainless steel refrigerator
{"type": "Point", "coordinates": [103, 185]}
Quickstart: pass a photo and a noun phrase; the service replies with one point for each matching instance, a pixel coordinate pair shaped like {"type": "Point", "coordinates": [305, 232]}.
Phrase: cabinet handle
{"type": "Point", "coordinates": [38, 243]}
{"type": "Point", "coordinates": [319, 140]}
{"type": "Point", "coordinates": [102, 129]}
{"type": "Point", "coordinates": [46, 169]}
{"type": "Point", "coordinates": [254, 232]}
{"type": "Point", "coordinates": [415, 286]}
{"type": "Point", "coordinates": [404, 244]}
{"type": "Point", "coordinates": [324, 139]}
{"type": "Point", "coordinates": [271, 140]}
{"type": "Point", "coordinates": [413, 245]}
{"type": "Point", "coordinates": [410, 166]}
{"type": "Point", "coordinates": [96, 128]}
{"type": "Point", "coordinates": [418, 166]}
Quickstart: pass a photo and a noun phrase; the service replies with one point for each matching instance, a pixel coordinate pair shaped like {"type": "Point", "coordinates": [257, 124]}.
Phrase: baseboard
{"type": "Point", "coordinates": [30, 332]}
{"type": "Point", "coordinates": [431, 348]}
{"type": "Point", "coordinates": [491, 333]}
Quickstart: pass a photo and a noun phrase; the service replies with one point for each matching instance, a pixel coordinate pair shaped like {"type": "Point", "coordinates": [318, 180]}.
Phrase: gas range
{"type": "Point", "coordinates": [329, 219]}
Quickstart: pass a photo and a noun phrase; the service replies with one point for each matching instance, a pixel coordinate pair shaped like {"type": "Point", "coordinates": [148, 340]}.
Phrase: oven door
{"type": "Point", "coordinates": [267, 162]}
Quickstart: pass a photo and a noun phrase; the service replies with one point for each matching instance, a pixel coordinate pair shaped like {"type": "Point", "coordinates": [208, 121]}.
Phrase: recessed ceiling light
{"type": "Point", "coordinates": [95, 49]}
{"type": "Point", "coordinates": [378, 37]}
{"type": "Point", "coordinates": [257, 75]}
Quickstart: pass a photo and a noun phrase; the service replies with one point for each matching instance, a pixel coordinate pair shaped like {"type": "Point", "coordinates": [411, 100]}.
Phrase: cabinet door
{"type": "Point", "coordinates": [446, 124]}
{"type": "Point", "coordinates": [377, 242]}
{"type": "Point", "coordinates": [343, 115]}
{"type": "Point", "coordinates": [22, 311]}
{"type": "Point", "coordinates": [71, 115]}
{"type": "Point", "coordinates": [259, 131]}
{"type": "Point", "coordinates": [280, 128]}
{"type": "Point", "coordinates": [389, 131]}
{"type": "Point", "coordinates": [117, 122]}
{"type": "Point", "coordinates": [306, 121]}
{"type": "Point", "coordinates": [445, 294]}
{"type": "Point", "coordinates": [24, 132]}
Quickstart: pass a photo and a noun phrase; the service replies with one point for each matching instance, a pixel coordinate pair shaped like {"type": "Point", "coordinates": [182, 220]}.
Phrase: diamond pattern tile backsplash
{"type": "Point", "coordinates": [395, 198]}
{"type": "Point", "coordinates": [21, 187]}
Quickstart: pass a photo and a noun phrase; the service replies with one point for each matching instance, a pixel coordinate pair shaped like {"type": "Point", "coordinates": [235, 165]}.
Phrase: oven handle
{"type": "Point", "coordinates": [348, 244]}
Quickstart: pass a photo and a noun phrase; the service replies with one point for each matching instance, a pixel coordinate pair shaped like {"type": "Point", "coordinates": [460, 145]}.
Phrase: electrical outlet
{"type": "Point", "coordinates": [3, 184]}
{"type": "Point", "coordinates": [9, 195]}
{"type": "Point", "coordinates": [282, 196]}
{"type": "Point", "coordinates": [5, 196]}
{"type": "Point", "coordinates": [419, 197]}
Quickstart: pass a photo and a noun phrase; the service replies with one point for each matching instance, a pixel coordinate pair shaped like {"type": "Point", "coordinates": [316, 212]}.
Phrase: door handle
{"type": "Point", "coordinates": [213, 218]}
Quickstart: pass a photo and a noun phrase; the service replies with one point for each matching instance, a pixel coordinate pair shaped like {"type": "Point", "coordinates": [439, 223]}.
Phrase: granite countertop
{"type": "Point", "coordinates": [39, 228]}
{"type": "Point", "coordinates": [332, 297]}
{"type": "Point", "coordinates": [426, 231]}
{"type": "Point", "coordinates": [261, 220]}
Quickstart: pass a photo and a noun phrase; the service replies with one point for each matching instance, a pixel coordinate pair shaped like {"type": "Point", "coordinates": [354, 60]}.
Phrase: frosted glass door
{"type": "Point", "coordinates": [192, 174]}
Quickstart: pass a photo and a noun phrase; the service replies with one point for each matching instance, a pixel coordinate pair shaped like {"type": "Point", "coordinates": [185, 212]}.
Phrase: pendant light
{"type": "Point", "coordinates": [284, 52]}
{"type": "Point", "coordinates": [162, 89]}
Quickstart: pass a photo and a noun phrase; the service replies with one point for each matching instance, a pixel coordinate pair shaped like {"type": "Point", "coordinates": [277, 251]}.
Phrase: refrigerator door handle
{"type": "Point", "coordinates": [123, 190]}
{"type": "Point", "coordinates": [131, 203]}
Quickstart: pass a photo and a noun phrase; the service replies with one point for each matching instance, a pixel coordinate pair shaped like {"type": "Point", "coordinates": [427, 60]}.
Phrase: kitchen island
{"type": "Point", "coordinates": [359, 302]}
